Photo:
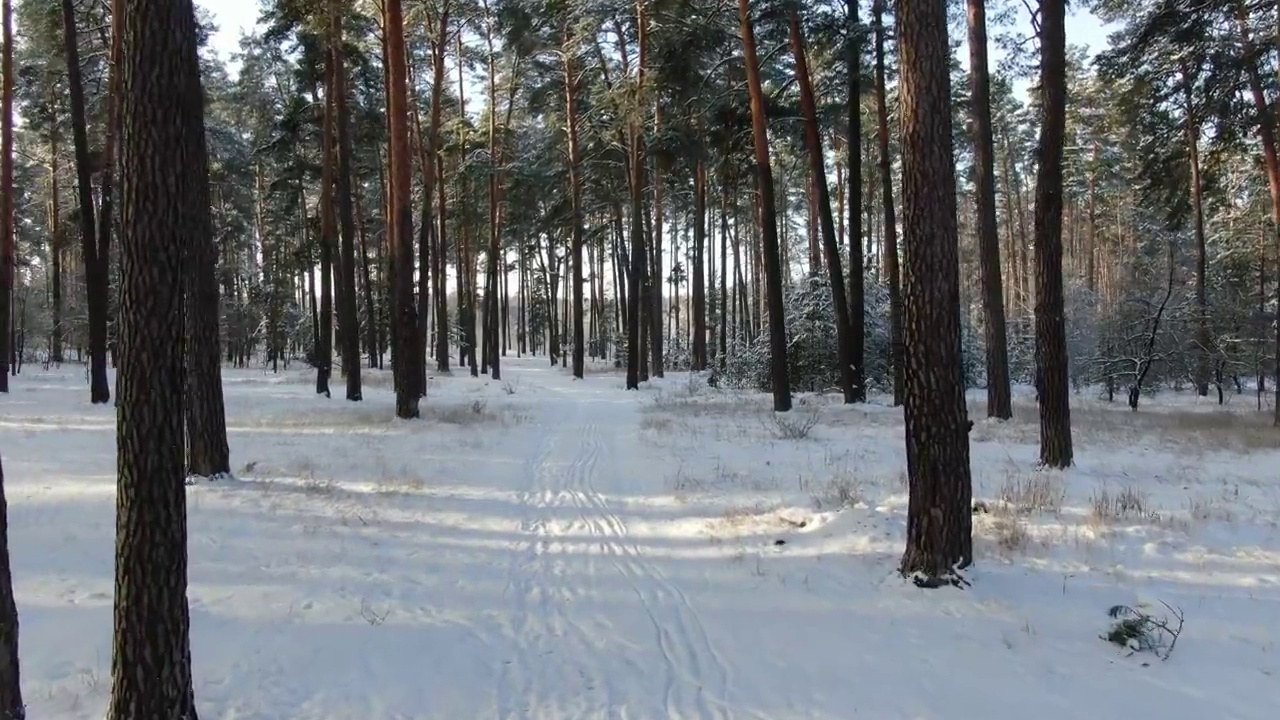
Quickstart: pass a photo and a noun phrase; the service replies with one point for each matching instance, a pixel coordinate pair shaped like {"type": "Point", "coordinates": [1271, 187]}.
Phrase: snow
{"type": "Point", "coordinates": [549, 548]}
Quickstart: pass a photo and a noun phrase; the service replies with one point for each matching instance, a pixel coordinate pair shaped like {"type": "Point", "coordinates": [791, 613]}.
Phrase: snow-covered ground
{"type": "Point", "coordinates": [545, 548]}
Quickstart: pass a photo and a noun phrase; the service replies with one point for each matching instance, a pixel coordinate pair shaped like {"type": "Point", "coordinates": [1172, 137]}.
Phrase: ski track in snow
{"type": "Point", "coordinates": [550, 634]}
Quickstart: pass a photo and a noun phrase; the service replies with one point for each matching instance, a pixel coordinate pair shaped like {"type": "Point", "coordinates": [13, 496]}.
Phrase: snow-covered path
{"type": "Point", "coordinates": [545, 549]}
{"type": "Point", "coordinates": [574, 548]}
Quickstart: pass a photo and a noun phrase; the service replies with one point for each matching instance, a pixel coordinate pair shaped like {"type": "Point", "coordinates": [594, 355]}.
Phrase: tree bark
{"type": "Point", "coordinates": [324, 350]}
{"type": "Point", "coordinates": [1203, 340]}
{"type": "Point", "coordinates": [637, 313]}
{"type": "Point", "coordinates": [438, 45]}
{"type": "Point", "coordinates": [999, 400]}
{"type": "Point", "coordinates": [857, 290]}
{"type": "Point", "coordinates": [655, 262]}
{"type": "Point", "coordinates": [208, 454]}
{"type": "Point", "coordinates": [55, 251]}
{"type": "Point", "coordinates": [408, 335]}
{"type": "Point", "coordinates": [1270, 154]}
{"type": "Point", "coordinates": [1051, 334]}
{"type": "Point", "coordinates": [722, 305]}
{"type": "Point", "coordinates": [8, 241]}
{"type": "Point", "coordinates": [95, 266]}
{"type": "Point", "coordinates": [890, 223]}
{"type": "Point", "coordinates": [161, 102]}
{"type": "Point", "coordinates": [575, 195]}
{"type": "Point", "coordinates": [349, 318]}
{"type": "Point", "coordinates": [939, 520]}
{"type": "Point", "coordinates": [779, 380]}
{"type": "Point", "coordinates": [698, 356]}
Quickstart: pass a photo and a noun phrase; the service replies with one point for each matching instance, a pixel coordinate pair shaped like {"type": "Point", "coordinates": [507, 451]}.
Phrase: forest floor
{"type": "Point", "coordinates": [557, 549]}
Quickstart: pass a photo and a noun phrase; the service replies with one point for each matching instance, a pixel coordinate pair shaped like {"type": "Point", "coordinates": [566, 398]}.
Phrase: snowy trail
{"type": "Point", "coordinates": [545, 548]}
{"type": "Point", "coordinates": [556, 570]}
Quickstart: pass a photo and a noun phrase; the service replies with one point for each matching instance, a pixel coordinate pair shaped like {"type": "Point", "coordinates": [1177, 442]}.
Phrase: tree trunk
{"type": "Point", "coordinates": [324, 351]}
{"type": "Point", "coordinates": [1051, 333]}
{"type": "Point", "coordinates": [818, 176]}
{"type": "Point", "coordinates": [655, 245]}
{"type": "Point", "coordinates": [1271, 157]}
{"type": "Point", "coordinates": [111, 157]}
{"type": "Point", "coordinates": [779, 381]}
{"type": "Point", "coordinates": [575, 195]}
{"type": "Point", "coordinates": [857, 291]}
{"type": "Point", "coordinates": [348, 316]}
{"type": "Point", "coordinates": [408, 335]}
{"type": "Point", "coordinates": [939, 520]}
{"type": "Point", "coordinates": [55, 251]}
{"type": "Point", "coordinates": [1203, 341]}
{"type": "Point", "coordinates": [366, 278]}
{"type": "Point", "coordinates": [8, 252]}
{"type": "Point", "coordinates": [637, 312]}
{"type": "Point", "coordinates": [723, 359]}
{"type": "Point", "coordinates": [425, 230]}
{"type": "Point", "coordinates": [698, 357]}
{"type": "Point", "coordinates": [890, 223]}
{"type": "Point", "coordinates": [95, 267]}
{"type": "Point", "coordinates": [999, 400]}
{"type": "Point", "coordinates": [438, 45]}
{"type": "Point", "coordinates": [208, 454]}
{"type": "Point", "coordinates": [161, 103]}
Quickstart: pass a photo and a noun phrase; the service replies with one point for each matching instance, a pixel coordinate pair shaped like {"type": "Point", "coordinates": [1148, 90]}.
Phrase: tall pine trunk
{"type": "Point", "coordinates": [999, 400]}
{"type": "Point", "coordinates": [95, 264]}
{"type": "Point", "coordinates": [637, 313]}
{"type": "Point", "coordinates": [1051, 330]}
{"type": "Point", "coordinates": [857, 291]}
{"type": "Point", "coordinates": [939, 520]}
{"type": "Point", "coordinates": [699, 292]}
{"type": "Point", "coordinates": [347, 313]}
{"type": "Point", "coordinates": [575, 196]}
{"type": "Point", "coordinates": [1270, 155]}
{"type": "Point", "coordinates": [8, 241]}
{"type": "Point", "coordinates": [408, 335]}
{"type": "Point", "coordinates": [778, 378]}
{"type": "Point", "coordinates": [208, 454]}
{"type": "Point", "coordinates": [324, 350]}
{"type": "Point", "coordinates": [438, 271]}
{"type": "Point", "coordinates": [165, 204]}
{"type": "Point", "coordinates": [830, 246]}
{"type": "Point", "coordinates": [1203, 341]}
{"type": "Point", "coordinates": [890, 222]}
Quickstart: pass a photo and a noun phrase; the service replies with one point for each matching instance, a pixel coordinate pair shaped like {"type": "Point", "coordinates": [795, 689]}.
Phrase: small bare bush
{"type": "Point", "coordinates": [795, 426]}
{"type": "Point", "coordinates": [1010, 533]}
{"type": "Point", "coordinates": [656, 423]}
{"type": "Point", "coordinates": [1209, 510]}
{"type": "Point", "coordinates": [473, 413]}
{"type": "Point", "coordinates": [1127, 503]}
{"type": "Point", "coordinates": [720, 479]}
{"type": "Point", "coordinates": [683, 482]}
{"type": "Point", "coordinates": [839, 492]}
{"type": "Point", "coordinates": [1038, 492]}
